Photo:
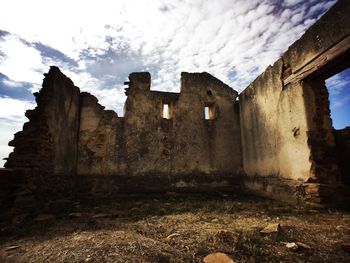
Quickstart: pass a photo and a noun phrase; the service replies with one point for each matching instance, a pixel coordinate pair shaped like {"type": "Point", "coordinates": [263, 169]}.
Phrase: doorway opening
{"type": "Point", "coordinates": [339, 97]}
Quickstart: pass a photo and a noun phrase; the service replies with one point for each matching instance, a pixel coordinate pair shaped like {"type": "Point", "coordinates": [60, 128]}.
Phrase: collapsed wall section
{"type": "Point", "coordinates": [287, 137]}
{"type": "Point", "coordinates": [71, 138]}
{"type": "Point", "coordinates": [100, 149]}
{"type": "Point", "coordinates": [101, 156]}
{"type": "Point", "coordinates": [46, 150]}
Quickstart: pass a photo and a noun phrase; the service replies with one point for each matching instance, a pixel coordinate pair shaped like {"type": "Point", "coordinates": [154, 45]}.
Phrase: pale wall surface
{"type": "Point", "coordinates": [274, 127]}
{"type": "Point", "coordinates": [287, 136]}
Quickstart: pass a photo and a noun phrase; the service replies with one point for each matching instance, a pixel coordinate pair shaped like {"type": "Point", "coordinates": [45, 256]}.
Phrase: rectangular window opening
{"type": "Point", "coordinates": [206, 113]}
{"type": "Point", "coordinates": [167, 110]}
{"type": "Point", "coordinates": [209, 112]}
{"type": "Point", "coordinates": [166, 114]}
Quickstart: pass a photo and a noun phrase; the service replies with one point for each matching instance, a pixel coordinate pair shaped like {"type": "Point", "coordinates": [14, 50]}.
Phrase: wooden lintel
{"type": "Point", "coordinates": [319, 61]}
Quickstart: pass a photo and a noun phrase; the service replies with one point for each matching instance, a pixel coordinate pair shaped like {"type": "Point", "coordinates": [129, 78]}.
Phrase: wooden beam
{"type": "Point", "coordinates": [320, 61]}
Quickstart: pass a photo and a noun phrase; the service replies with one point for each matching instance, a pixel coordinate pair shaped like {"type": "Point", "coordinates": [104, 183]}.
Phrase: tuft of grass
{"type": "Point", "coordinates": [250, 242]}
{"type": "Point", "coordinates": [281, 236]}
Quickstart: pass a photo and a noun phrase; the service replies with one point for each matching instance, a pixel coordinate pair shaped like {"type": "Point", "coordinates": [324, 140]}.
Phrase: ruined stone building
{"type": "Point", "coordinates": [275, 138]}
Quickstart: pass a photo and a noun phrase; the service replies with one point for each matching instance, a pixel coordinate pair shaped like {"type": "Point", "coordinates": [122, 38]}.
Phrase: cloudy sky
{"type": "Point", "coordinates": [98, 43]}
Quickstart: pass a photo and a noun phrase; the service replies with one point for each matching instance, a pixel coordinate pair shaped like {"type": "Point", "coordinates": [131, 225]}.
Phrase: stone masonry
{"type": "Point", "coordinates": [275, 138]}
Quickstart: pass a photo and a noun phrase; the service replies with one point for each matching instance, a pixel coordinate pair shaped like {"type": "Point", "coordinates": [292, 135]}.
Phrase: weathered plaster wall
{"type": "Point", "coordinates": [186, 143]}
{"type": "Point", "coordinates": [285, 126]}
{"type": "Point", "coordinates": [145, 152]}
{"type": "Point", "coordinates": [142, 128]}
{"type": "Point", "coordinates": [219, 138]}
{"type": "Point", "coordinates": [274, 128]}
{"type": "Point", "coordinates": [100, 149]}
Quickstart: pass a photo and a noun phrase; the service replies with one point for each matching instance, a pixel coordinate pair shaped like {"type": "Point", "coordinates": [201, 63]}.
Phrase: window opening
{"type": "Point", "coordinates": [166, 111]}
{"type": "Point", "coordinates": [209, 112]}
{"type": "Point", "coordinates": [339, 97]}
{"type": "Point", "coordinates": [206, 113]}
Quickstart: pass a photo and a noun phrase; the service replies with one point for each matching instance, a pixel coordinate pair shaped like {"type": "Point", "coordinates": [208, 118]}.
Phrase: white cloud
{"type": "Point", "coordinates": [290, 3]}
{"type": "Point", "coordinates": [11, 83]}
{"type": "Point", "coordinates": [192, 35]}
{"type": "Point", "coordinates": [13, 109]}
{"type": "Point", "coordinates": [338, 88]}
{"type": "Point", "coordinates": [340, 102]}
{"type": "Point", "coordinates": [337, 83]}
{"type": "Point", "coordinates": [11, 121]}
{"type": "Point", "coordinates": [109, 39]}
{"type": "Point", "coordinates": [22, 63]}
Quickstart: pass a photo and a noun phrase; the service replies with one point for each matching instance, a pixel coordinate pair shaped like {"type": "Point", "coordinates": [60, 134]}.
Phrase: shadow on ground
{"type": "Point", "coordinates": [176, 228]}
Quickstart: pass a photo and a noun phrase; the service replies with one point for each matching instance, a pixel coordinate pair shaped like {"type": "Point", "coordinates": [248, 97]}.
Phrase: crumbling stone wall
{"type": "Point", "coordinates": [45, 152]}
{"type": "Point", "coordinates": [342, 138]}
{"type": "Point", "coordinates": [100, 139]}
{"type": "Point", "coordinates": [48, 141]}
{"type": "Point", "coordinates": [143, 151]}
{"type": "Point", "coordinates": [185, 143]}
{"type": "Point", "coordinates": [70, 138]}
{"type": "Point", "coordinates": [279, 131]}
{"type": "Point", "coordinates": [287, 135]}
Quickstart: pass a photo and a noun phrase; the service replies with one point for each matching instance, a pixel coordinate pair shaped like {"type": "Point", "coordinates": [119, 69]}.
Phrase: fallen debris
{"type": "Point", "coordinates": [12, 248]}
{"type": "Point", "coordinates": [302, 245]}
{"type": "Point", "coordinates": [292, 246]}
{"type": "Point", "coordinates": [296, 246]}
{"type": "Point", "coordinates": [172, 236]}
{"type": "Point", "coordinates": [218, 258]}
{"type": "Point", "coordinates": [271, 228]}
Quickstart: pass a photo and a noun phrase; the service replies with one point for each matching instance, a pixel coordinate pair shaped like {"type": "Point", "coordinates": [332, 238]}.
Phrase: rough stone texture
{"type": "Point", "coordinates": [279, 133]}
{"type": "Point", "coordinates": [46, 150]}
{"type": "Point", "coordinates": [287, 134]}
{"type": "Point", "coordinates": [71, 138]}
{"type": "Point", "coordinates": [217, 258]}
{"type": "Point", "coordinates": [52, 126]}
{"type": "Point", "coordinates": [287, 190]}
{"type": "Point", "coordinates": [144, 152]}
{"type": "Point", "coordinates": [10, 183]}
{"type": "Point", "coordinates": [342, 138]}
{"type": "Point", "coordinates": [186, 143]}
{"type": "Point", "coordinates": [100, 131]}
{"type": "Point", "coordinates": [324, 168]}
{"type": "Point", "coordinates": [327, 31]}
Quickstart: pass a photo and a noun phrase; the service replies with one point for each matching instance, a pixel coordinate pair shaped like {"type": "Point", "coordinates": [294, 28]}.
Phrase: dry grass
{"type": "Point", "coordinates": [137, 229]}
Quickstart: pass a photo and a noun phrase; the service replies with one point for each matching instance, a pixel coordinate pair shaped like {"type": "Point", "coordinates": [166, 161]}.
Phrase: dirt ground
{"type": "Point", "coordinates": [178, 228]}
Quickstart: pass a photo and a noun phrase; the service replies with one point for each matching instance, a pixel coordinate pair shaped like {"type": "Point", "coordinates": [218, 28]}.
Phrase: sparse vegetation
{"type": "Point", "coordinates": [177, 228]}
